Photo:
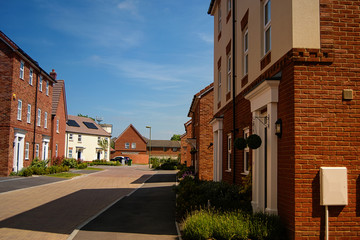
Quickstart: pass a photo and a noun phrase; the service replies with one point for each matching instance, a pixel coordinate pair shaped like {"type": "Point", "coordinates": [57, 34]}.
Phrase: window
{"type": "Point", "coordinates": [47, 88]}
{"type": "Point", "coordinates": [19, 110]}
{"type": "Point", "coordinates": [133, 145]}
{"type": "Point", "coordinates": [219, 86]}
{"type": "Point", "coordinates": [79, 138]}
{"type": "Point", "coordinates": [267, 26]}
{"type": "Point", "coordinates": [246, 152]}
{"type": "Point", "coordinates": [105, 154]}
{"type": "Point", "coordinates": [27, 151]}
{"type": "Point", "coordinates": [70, 153]}
{"type": "Point", "coordinates": [219, 21]}
{"type": "Point", "coordinates": [70, 137]}
{"type": "Point", "coordinates": [28, 114]}
{"type": "Point", "coordinates": [127, 145]}
{"type": "Point", "coordinates": [22, 70]}
{"type": "Point", "coordinates": [57, 125]}
{"type": "Point", "coordinates": [39, 117]}
{"type": "Point", "coordinates": [246, 52]}
{"type": "Point", "coordinates": [229, 74]}
{"type": "Point", "coordinates": [45, 120]}
{"type": "Point", "coordinates": [40, 83]}
{"type": "Point", "coordinates": [229, 152]}
{"type": "Point", "coordinates": [175, 149]}
{"type": "Point", "coordinates": [31, 76]}
{"type": "Point", "coordinates": [56, 150]}
{"type": "Point", "coordinates": [99, 140]}
{"type": "Point", "coordinates": [37, 150]}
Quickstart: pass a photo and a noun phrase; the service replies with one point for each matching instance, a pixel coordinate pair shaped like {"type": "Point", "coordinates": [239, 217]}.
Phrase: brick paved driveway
{"type": "Point", "coordinates": [54, 210]}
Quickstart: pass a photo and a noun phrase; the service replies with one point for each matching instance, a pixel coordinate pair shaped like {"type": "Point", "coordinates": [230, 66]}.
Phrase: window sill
{"type": "Point", "coordinates": [229, 170]}
{"type": "Point", "coordinates": [245, 173]}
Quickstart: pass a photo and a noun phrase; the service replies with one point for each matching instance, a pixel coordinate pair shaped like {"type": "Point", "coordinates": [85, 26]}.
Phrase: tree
{"type": "Point", "coordinates": [176, 137]}
{"type": "Point", "coordinates": [80, 115]}
{"type": "Point", "coordinates": [104, 144]}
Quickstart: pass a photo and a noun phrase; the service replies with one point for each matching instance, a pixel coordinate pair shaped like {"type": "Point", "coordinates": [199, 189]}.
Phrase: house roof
{"type": "Point", "coordinates": [164, 143]}
{"type": "Point", "coordinates": [84, 125]}
{"type": "Point", "coordinates": [23, 54]}
{"type": "Point", "coordinates": [211, 6]}
{"type": "Point", "coordinates": [198, 96]}
{"type": "Point", "coordinates": [135, 130]}
{"type": "Point", "coordinates": [57, 89]}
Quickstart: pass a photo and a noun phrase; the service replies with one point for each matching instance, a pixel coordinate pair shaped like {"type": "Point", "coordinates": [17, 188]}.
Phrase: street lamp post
{"type": "Point", "coordinates": [150, 145]}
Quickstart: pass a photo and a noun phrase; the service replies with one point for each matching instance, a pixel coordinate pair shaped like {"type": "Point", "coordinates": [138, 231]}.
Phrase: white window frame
{"type": "Point", "coordinates": [28, 115]}
{"type": "Point", "coordinates": [22, 69]}
{"type": "Point", "coordinates": [40, 83]}
{"type": "Point", "coordinates": [31, 75]}
{"type": "Point", "coordinates": [26, 151]}
{"type": "Point", "coordinates": [229, 147]}
{"type": "Point", "coordinates": [47, 88]}
{"type": "Point", "coordinates": [19, 110]}
{"type": "Point", "coordinates": [127, 145]}
{"type": "Point", "coordinates": [267, 26]}
{"type": "Point", "coordinates": [99, 140]}
{"type": "Point", "coordinates": [56, 150]}
{"type": "Point", "coordinates": [105, 154]}
{"type": "Point", "coordinates": [79, 138]}
{"type": "Point", "coordinates": [229, 73]}
{"type": "Point", "coordinates": [246, 152]}
{"type": "Point", "coordinates": [70, 153]}
{"type": "Point", "coordinates": [39, 118]}
{"type": "Point", "coordinates": [71, 137]}
{"type": "Point", "coordinates": [133, 145]}
{"type": "Point", "coordinates": [45, 119]}
{"type": "Point", "coordinates": [246, 52]}
{"type": "Point", "coordinates": [57, 125]}
{"type": "Point", "coordinates": [219, 85]}
{"type": "Point", "coordinates": [37, 147]}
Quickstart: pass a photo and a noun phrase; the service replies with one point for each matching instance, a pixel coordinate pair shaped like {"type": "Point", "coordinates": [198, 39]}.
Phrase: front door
{"type": "Point", "coordinates": [18, 162]}
{"type": "Point", "coordinates": [79, 155]}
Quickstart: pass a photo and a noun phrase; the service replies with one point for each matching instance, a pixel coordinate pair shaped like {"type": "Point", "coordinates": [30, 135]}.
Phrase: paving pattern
{"type": "Point", "coordinates": [53, 211]}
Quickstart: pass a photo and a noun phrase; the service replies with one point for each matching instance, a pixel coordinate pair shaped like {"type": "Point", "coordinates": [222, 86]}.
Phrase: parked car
{"type": "Point", "coordinates": [117, 158]}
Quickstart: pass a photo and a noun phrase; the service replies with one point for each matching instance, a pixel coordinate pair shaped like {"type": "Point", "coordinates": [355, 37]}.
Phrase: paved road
{"type": "Point", "coordinates": [148, 213]}
{"type": "Point", "coordinates": [53, 211]}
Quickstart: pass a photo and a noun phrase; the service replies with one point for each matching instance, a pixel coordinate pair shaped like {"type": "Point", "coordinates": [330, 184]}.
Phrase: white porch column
{"type": "Point", "coordinates": [217, 124]}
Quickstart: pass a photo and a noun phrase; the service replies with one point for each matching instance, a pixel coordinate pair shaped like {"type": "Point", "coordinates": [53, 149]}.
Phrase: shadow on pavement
{"type": "Point", "coordinates": [142, 179]}
{"type": "Point", "coordinates": [64, 214]}
{"type": "Point", "coordinates": [149, 210]}
{"type": "Point", "coordinates": [11, 184]}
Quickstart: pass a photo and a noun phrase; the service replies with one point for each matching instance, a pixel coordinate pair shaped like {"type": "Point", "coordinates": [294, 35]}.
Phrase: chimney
{"type": "Point", "coordinates": [53, 74]}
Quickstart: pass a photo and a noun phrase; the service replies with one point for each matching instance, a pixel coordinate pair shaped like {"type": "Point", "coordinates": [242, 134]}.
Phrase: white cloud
{"type": "Point", "coordinates": [130, 6]}
{"type": "Point", "coordinates": [206, 38]}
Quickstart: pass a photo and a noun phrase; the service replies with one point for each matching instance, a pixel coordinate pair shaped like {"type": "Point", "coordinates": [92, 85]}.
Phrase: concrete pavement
{"type": "Point", "coordinates": [53, 211]}
{"type": "Point", "coordinates": [148, 213]}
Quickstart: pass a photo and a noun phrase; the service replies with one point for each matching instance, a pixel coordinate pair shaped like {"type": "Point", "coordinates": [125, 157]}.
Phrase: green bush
{"type": "Point", "coordinates": [25, 172]}
{"type": "Point", "coordinates": [194, 194]}
{"type": "Point", "coordinates": [70, 162]}
{"type": "Point", "coordinates": [82, 165]}
{"type": "Point", "coordinates": [36, 170]}
{"type": "Point", "coordinates": [212, 224]}
{"type": "Point", "coordinates": [103, 162]}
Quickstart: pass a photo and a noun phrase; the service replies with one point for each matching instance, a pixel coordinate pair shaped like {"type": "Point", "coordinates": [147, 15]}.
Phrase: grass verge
{"type": "Point", "coordinates": [64, 175]}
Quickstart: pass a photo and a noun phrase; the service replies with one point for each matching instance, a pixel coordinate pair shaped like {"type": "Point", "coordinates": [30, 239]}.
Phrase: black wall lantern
{"type": "Point", "coordinates": [278, 128]}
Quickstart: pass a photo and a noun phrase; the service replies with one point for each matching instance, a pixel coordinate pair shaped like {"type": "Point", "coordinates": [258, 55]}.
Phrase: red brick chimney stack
{"type": "Point", "coordinates": [53, 74]}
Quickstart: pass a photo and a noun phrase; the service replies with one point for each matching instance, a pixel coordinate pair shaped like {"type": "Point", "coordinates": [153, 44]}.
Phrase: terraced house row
{"type": "Point", "coordinates": [289, 72]}
{"type": "Point", "coordinates": [33, 114]}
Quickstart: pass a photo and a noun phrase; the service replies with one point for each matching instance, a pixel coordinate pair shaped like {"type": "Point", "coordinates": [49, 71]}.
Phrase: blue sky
{"type": "Point", "coordinates": [134, 62]}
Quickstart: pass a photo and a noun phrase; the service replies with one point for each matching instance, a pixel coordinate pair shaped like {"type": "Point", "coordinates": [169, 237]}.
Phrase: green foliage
{"type": "Point", "coordinates": [164, 164]}
{"type": "Point", "coordinates": [194, 194]}
{"type": "Point", "coordinates": [212, 224]}
{"type": "Point", "coordinates": [37, 169]}
{"type": "Point", "coordinates": [25, 172]}
{"type": "Point", "coordinates": [80, 115]}
{"type": "Point", "coordinates": [70, 162]}
{"type": "Point", "coordinates": [103, 162]}
{"type": "Point", "coordinates": [38, 163]}
{"type": "Point", "coordinates": [176, 137]}
{"type": "Point", "coordinates": [82, 165]}
{"type": "Point", "coordinates": [104, 144]}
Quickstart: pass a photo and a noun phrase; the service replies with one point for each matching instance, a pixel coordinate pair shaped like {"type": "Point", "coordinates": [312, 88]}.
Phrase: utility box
{"type": "Point", "coordinates": [333, 186]}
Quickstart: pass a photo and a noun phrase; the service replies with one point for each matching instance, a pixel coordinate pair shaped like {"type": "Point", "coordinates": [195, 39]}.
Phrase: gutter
{"type": "Point", "coordinates": [234, 88]}
{"type": "Point", "coordinates": [35, 109]}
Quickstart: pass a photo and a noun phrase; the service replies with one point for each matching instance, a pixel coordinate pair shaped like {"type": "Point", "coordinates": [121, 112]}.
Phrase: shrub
{"type": "Point", "coordinates": [70, 162]}
{"type": "Point", "coordinates": [263, 226]}
{"type": "Point", "coordinates": [39, 164]}
{"type": "Point", "coordinates": [82, 165]}
{"type": "Point", "coordinates": [168, 165]}
{"type": "Point", "coordinates": [194, 194]}
{"type": "Point", "coordinates": [104, 162]}
{"type": "Point", "coordinates": [25, 172]}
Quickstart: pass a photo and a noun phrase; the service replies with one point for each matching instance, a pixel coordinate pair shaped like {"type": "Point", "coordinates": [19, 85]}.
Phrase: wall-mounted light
{"type": "Point", "coordinates": [14, 96]}
{"type": "Point", "coordinates": [278, 128]}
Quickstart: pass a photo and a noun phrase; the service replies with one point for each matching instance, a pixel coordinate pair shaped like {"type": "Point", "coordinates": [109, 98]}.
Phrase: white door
{"type": "Point", "coordinates": [18, 162]}
{"type": "Point", "coordinates": [45, 150]}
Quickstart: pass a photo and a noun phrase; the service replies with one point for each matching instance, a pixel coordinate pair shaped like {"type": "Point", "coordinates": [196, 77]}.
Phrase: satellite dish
{"type": "Point", "coordinates": [99, 119]}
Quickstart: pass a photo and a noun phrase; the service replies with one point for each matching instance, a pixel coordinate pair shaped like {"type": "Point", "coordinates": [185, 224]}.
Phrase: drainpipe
{"type": "Point", "coordinates": [234, 86]}
{"type": "Point", "coordinates": [35, 109]}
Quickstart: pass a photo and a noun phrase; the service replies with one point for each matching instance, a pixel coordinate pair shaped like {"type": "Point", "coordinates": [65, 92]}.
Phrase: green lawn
{"type": "Point", "coordinates": [94, 169]}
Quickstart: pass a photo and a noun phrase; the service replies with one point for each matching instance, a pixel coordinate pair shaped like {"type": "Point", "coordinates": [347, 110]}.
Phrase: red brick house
{"type": "Point", "coordinates": [164, 149]}
{"type": "Point", "coordinates": [185, 145]}
{"type": "Point", "coordinates": [201, 137]}
{"type": "Point", "coordinates": [59, 118]}
{"type": "Point", "coordinates": [292, 65]}
{"type": "Point", "coordinates": [132, 144]}
{"type": "Point", "coordinates": [25, 110]}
